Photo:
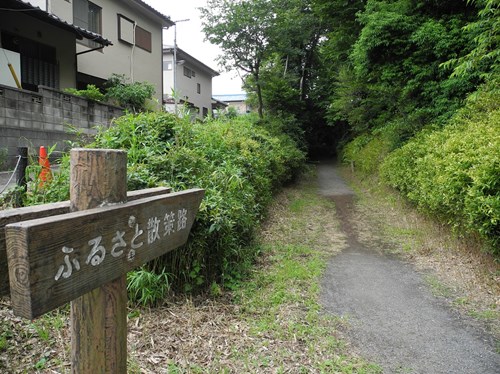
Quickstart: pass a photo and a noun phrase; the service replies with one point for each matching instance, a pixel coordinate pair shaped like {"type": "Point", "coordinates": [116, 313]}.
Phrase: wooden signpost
{"type": "Point", "coordinates": [83, 256]}
{"type": "Point", "coordinates": [47, 210]}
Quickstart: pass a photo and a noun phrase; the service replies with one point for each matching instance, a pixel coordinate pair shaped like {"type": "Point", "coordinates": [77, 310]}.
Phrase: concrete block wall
{"type": "Point", "coordinates": [32, 119]}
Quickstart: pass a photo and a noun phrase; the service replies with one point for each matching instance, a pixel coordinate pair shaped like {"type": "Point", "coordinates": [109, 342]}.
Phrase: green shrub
{"type": "Point", "coordinates": [366, 152]}
{"type": "Point", "coordinates": [455, 172]}
{"type": "Point", "coordinates": [131, 96]}
{"type": "Point", "coordinates": [90, 93]}
{"type": "Point", "coordinates": [237, 162]}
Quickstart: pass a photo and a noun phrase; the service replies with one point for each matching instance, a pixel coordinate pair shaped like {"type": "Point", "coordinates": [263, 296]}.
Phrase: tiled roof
{"type": "Point", "coordinates": [165, 18]}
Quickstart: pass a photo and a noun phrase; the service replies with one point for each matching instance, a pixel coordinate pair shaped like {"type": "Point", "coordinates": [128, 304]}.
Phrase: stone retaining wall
{"type": "Point", "coordinates": [31, 119]}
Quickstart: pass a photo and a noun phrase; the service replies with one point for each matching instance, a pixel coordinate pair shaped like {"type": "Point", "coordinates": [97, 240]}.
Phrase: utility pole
{"type": "Point", "coordinates": [175, 63]}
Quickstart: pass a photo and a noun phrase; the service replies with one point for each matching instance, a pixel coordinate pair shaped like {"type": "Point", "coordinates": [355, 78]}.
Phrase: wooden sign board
{"type": "Point", "coordinates": [57, 259]}
{"type": "Point", "coordinates": [48, 210]}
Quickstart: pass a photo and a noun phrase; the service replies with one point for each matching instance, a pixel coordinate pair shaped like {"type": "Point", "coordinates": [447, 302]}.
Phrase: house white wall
{"type": "Point", "coordinates": [134, 62]}
{"type": "Point", "coordinates": [123, 58]}
{"type": "Point", "coordinates": [61, 8]}
{"type": "Point", "coordinates": [41, 32]}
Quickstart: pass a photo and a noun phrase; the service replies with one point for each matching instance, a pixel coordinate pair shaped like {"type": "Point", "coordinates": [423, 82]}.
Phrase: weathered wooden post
{"type": "Point", "coordinates": [99, 318]}
{"type": "Point", "coordinates": [83, 256]}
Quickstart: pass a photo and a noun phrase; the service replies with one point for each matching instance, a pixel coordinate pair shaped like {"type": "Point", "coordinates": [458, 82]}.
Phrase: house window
{"type": "Point", "coordinates": [38, 61]}
{"type": "Point", "coordinates": [193, 74]}
{"type": "Point", "coordinates": [167, 65]}
{"type": "Point", "coordinates": [87, 15]}
{"type": "Point", "coordinates": [130, 33]}
{"type": "Point", "coordinates": [188, 72]}
{"type": "Point", "coordinates": [143, 39]}
{"type": "Point", "coordinates": [125, 29]}
{"type": "Point", "coordinates": [198, 88]}
{"type": "Point", "coordinates": [205, 112]}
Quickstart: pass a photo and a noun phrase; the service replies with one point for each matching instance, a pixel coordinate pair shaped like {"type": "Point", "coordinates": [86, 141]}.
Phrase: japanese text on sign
{"type": "Point", "coordinates": [172, 222]}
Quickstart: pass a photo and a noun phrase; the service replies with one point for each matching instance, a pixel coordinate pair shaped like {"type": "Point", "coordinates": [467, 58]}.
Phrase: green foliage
{"type": "Point", "coordinates": [237, 162]}
{"type": "Point", "coordinates": [485, 56]}
{"type": "Point", "coordinates": [131, 96]}
{"type": "Point", "coordinates": [90, 93]}
{"type": "Point", "coordinates": [55, 188]}
{"type": "Point", "coordinates": [146, 287]}
{"type": "Point", "coordinates": [230, 113]}
{"type": "Point", "coordinates": [454, 172]}
{"type": "Point", "coordinates": [366, 152]}
{"type": "Point", "coordinates": [392, 71]}
{"type": "Point", "coordinates": [240, 162]}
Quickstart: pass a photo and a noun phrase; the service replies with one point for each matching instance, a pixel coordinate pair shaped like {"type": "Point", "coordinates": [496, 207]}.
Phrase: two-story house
{"type": "Point", "coordinates": [135, 30]}
{"type": "Point", "coordinates": [50, 45]}
{"type": "Point", "coordinates": [63, 43]}
{"type": "Point", "coordinates": [187, 82]}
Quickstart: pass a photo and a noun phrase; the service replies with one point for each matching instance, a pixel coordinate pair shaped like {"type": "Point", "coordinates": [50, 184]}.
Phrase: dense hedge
{"type": "Point", "coordinates": [238, 162]}
{"type": "Point", "coordinates": [455, 172]}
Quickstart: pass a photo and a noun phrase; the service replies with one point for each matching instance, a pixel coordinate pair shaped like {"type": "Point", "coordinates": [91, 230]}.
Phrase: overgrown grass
{"type": "Point", "coordinates": [240, 163]}
{"type": "Point", "coordinates": [281, 300]}
{"type": "Point", "coordinates": [451, 172]}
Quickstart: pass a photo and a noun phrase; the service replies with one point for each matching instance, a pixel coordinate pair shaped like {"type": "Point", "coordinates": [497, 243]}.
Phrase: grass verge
{"type": "Point", "coordinates": [270, 322]}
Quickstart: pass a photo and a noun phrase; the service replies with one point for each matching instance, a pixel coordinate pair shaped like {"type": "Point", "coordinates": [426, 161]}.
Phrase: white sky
{"type": "Point", "coordinates": [190, 38]}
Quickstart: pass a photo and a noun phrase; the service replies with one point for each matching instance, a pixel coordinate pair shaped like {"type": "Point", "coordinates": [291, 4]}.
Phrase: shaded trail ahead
{"type": "Point", "coordinates": [393, 318]}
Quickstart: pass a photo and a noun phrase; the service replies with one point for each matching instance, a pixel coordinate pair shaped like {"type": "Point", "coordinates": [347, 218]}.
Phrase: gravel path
{"type": "Point", "coordinates": [393, 318]}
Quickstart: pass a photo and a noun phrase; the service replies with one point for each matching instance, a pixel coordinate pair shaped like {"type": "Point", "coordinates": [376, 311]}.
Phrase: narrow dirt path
{"type": "Point", "coordinates": [393, 318]}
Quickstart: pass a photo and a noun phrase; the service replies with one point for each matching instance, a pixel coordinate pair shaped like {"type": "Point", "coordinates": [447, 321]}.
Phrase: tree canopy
{"type": "Point", "coordinates": [341, 68]}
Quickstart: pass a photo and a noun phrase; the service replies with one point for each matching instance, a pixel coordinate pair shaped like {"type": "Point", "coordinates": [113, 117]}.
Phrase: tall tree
{"type": "Point", "coordinates": [241, 28]}
{"type": "Point", "coordinates": [392, 73]}
{"type": "Point", "coordinates": [485, 55]}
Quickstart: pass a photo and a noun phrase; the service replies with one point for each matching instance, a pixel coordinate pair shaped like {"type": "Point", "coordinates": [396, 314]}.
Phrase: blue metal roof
{"type": "Point", "coordinates": [231, 97]}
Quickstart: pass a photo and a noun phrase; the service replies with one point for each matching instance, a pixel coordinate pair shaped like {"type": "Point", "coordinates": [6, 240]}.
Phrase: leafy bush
{"type": "Point", "coordinates": [90, 93]}
{"type": "Point", "coordinates": [366, 152]}
{"type": "Point", "coordinates": [454, 172]}
{"type": "Point", "coordinates": [131, 96]}
{"type": "Point", "coordinates": [237, 162]}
